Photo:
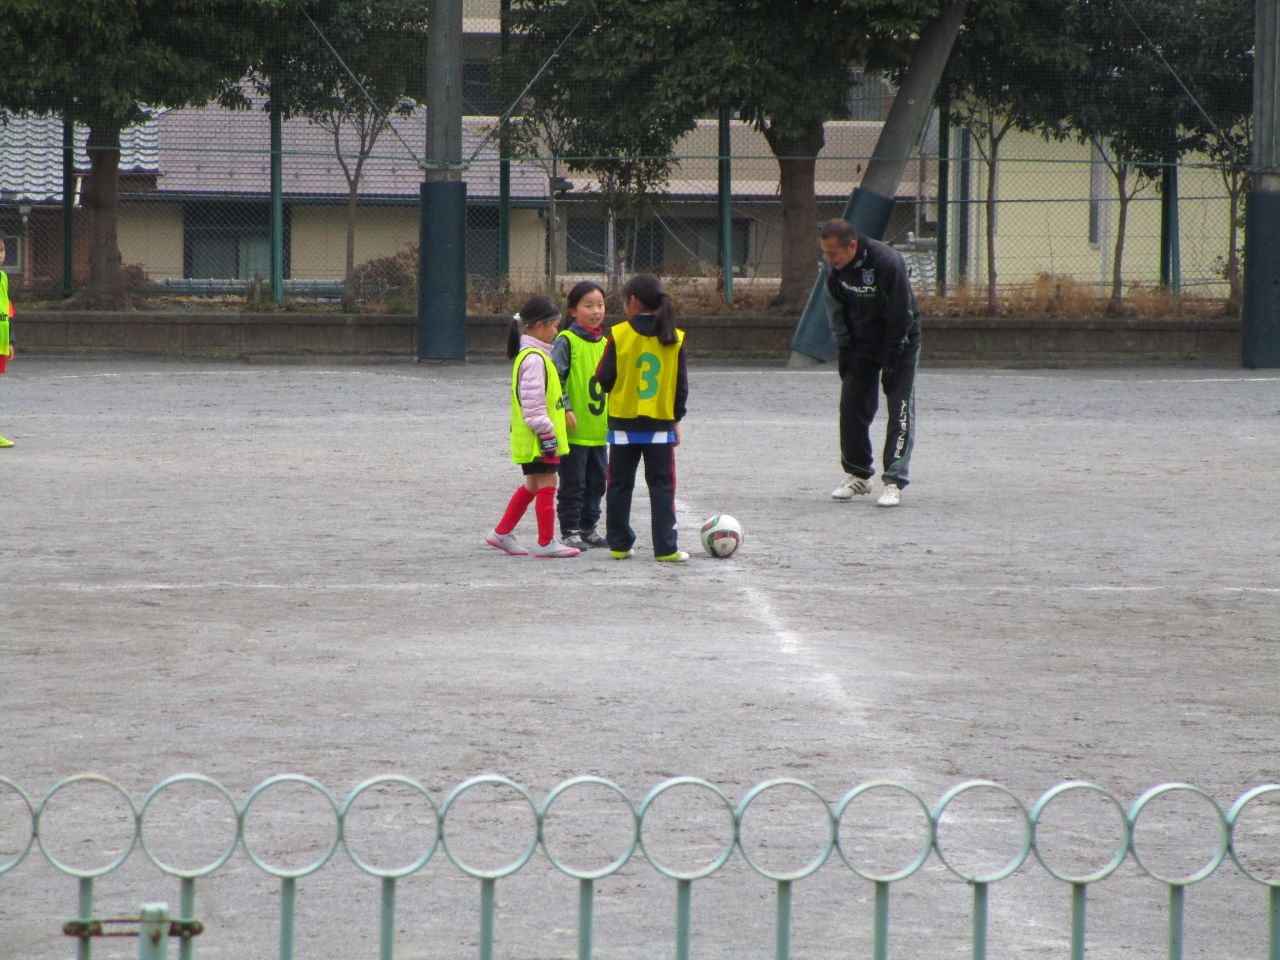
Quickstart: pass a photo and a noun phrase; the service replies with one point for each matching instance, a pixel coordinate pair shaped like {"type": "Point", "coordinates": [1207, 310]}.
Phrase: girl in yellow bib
{"type": "Point", "coordinates": [6, 311]}
{"type": "Point", "coordinates": [539, 435]}
{"type": "Point", "coordinates": [644, 373]}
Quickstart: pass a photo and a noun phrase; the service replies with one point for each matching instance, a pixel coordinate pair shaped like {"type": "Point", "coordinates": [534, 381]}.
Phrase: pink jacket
{"type": "Point", "coordinates": [532, 387]}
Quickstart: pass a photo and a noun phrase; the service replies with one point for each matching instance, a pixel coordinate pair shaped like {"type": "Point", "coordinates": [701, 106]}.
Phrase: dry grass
{"type": "Point", "coordinates": [1051, 295]}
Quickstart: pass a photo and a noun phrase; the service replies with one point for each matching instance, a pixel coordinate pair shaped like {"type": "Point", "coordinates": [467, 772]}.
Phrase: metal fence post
{"type": "Point", "coordinates": [153, 932]}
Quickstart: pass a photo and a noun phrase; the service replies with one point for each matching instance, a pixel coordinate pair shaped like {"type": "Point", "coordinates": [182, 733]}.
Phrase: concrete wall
{"type": "Point", "coordinates": [296, 337]}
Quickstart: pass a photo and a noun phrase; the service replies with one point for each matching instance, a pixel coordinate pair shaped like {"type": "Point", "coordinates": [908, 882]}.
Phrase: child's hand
{"type": "Point", "coordinates": [571, 420]}
{"type": "Point", "coordinates": [677, 433]}
{"type": "Point", "coordinates": [547, 443]}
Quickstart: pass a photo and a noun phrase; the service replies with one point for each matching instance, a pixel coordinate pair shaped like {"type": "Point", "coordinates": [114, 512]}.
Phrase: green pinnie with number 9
{"type": "Point", "coordinates": [643, 370]}
{"type": "Point", "coordinates": [576, 353]}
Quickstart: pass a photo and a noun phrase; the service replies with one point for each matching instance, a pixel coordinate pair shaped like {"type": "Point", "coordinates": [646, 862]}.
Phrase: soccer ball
{"type": "Point", "coordinates": [721, 536]}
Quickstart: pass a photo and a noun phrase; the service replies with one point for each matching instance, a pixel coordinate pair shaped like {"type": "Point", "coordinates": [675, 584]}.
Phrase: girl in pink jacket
{"type": "Point", "coordinates": [538, 432]}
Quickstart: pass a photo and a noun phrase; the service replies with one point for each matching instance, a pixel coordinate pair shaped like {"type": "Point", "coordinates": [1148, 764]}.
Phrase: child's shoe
{"type": "Point", "coordinates": [592, 539]}
{"type": "Point", "coordinates": [554, 549]}
{"type": "Point", "coordinates": [678, 557]}
{"type": "Point", "coordinates": [4, 442]}
{"type": "Point", "coordinates": [622, 554]}
{"type": "Point", "coordinates": [506, 542]}
{"type": "Point", "coordinates": [573, 538]}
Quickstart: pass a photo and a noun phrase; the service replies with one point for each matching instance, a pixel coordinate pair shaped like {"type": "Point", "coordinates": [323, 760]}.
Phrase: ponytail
{"type": "Point", "coordinates": [648, 290]}
{"type": "Point", "coordinates": [513, 337]}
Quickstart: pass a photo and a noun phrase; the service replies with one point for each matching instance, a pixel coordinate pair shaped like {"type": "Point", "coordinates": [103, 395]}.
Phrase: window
{"type": "Point", "coordinates": [230, 240]}
{"type": "Point", "coordinates": [11, 258]}
{"type": "Point", "coordinates": [669, 244]}
{"type": "Point", "coordinates": [479, 92]}
{"type": "Point", "coordinates": [482, 242]}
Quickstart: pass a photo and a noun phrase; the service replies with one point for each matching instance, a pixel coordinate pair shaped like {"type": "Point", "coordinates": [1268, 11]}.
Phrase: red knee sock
{"type": "Point", "coordinates": [516, 507]}
{"type": "Point", "coordinates": [546, 511]}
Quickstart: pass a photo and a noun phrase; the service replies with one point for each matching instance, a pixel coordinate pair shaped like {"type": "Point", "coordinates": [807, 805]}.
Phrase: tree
{"type": "Point", "coordinates": [1124, 99]}
{"type": "Point", "coordinates": [989, 87]}
{"type": "Point", "coordinates": [380, 77]}
{"type": "Point", "coordinates": [110, 64]}
{"type": "Point", "coordinates": [640, 74]}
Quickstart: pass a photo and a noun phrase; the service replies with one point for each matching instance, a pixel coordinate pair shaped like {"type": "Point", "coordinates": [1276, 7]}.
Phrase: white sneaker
{"type": "Point", "coordinates": [852, 487]}
{"type": "Point", "coordinates": [506, 542]}
{"type": "Point", "coordinates": [553, 549]}
{"type": "Point", "coordinates": [891, 497]}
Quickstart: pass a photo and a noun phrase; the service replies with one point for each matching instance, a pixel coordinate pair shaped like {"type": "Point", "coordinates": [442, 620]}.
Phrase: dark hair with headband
{"type": "Point", "coordinates": [535, 310]}
{"type": "Point", "coordinates": [647, 289]}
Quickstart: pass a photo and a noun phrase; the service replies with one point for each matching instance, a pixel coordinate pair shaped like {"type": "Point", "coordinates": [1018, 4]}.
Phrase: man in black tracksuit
{"type": "Point", "coordinates": [876, 325]}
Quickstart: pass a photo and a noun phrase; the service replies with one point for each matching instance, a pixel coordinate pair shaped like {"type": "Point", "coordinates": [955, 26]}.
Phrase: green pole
{"type": "Point", "coordinates": [684, 903]}
{"type": "Point", "coordinates": [153, 931]}
{"type": "Point", "coordinates": [586, 899]}
{"type": "Point", "coordinates": [1078, 894]}
{"type": "Point", "coordinates": [277, 201]}
{"type": "Point", "coordinates": [1261, 319]}
{"type": "Point", "coordinates": [726, 206]}
{"type": "Point", "coordinates": [1177, 900]}
{"type": "Point", "coordinates": [288, 901]}
{"type": "Point", "coordinates": [944, 200]}
{"type": "Point", "coordinates": [881, 946]}
{"type": "Point", "coordinates": [488, 902]}
{"type": "Point", "coordinates": [782, 949]}
{"type": "Point", "coordinates": [387, 934]}
{"type": "Point", "coordinates": [68, 203]}
{"type": "Point", "coordinates": [504, 157]}
{"type": "Point", "coordinates": [1273, 923]}
{"type": "Point", "coordinates": [980, 900]}
{"type": "Point", "coordinates": [84, 947]}
{"type": "Point", "coordinates": [187, 913]}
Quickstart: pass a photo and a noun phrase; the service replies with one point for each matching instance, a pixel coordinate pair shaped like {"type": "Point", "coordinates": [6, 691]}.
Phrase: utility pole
{"type": "Point", "coordinates": [1261, 328]}
{"type": "Point", "coordinates": [442, 266]}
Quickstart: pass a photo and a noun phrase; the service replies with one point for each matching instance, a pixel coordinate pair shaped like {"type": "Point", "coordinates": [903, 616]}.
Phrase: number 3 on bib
{"type": "Point", "coordinates": [650, 368]}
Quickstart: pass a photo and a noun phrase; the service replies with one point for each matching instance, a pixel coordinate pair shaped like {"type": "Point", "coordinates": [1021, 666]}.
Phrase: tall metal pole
{"type": "Point", "coordinates": [68, 203]}
{"type": "Point", "coordinates": [442, 285]}
{"type": "Point", "coordinates": [504, 157]}
{"type": "Point", "coordinates": [944, 199]}
{"type": "Point", "coordinates": [726, 205]}
{"type": "Point", "coordinates": [277, 197]}
{"type": "Point", "coordinates": [1261, 332]}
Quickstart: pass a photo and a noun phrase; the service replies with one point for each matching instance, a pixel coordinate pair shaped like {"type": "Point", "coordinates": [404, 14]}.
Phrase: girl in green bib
{"type": "Point", "coordinates": [576, 352]}
{"type": "Point", "coordinates": [539, 434]}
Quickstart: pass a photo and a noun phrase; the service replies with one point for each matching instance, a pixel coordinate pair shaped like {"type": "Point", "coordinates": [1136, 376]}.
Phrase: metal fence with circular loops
{"type": "Point", "coordinates": [979, 830]}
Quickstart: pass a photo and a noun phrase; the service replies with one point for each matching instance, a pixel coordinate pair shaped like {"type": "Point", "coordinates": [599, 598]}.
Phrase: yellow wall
{"type": "Point", "coordinates": [151, 234]}
{"type": "Point", "coordinates": [1047, 229]}
{"type": "Point", "coordinates": [318, 237]}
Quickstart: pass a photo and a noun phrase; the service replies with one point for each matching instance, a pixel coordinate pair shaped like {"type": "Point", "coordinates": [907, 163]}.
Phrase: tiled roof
{"type": "Point", "coordinates": [209, 150]}
{"type": "Point", "coordinates": [31, 156]}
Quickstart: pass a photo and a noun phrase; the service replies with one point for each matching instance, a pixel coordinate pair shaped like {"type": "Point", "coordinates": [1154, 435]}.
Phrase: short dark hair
{"type": "Point", "coordinates": [842, 230]}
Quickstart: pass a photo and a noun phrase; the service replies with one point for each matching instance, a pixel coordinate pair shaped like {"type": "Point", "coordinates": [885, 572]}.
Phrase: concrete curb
{"type": "Point", "coordinates": [311, 337]}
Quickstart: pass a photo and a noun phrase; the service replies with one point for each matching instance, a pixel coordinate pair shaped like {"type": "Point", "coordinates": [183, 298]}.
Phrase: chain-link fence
{"type": "Point", "coordinates": [1083, 208]}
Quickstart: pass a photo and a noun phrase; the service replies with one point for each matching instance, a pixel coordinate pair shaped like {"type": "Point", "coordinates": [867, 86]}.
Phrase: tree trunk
{"type": "Point", "coordinates": [797, 163]}
{"type": "Point", "coordinates": [100, 196]}
{"type": "Point", "coordinates": [1117, 261]}
{"type": "Point", "coordinates": [348, 285]}
{"type": "Point", "coordinates": [1235, 284]}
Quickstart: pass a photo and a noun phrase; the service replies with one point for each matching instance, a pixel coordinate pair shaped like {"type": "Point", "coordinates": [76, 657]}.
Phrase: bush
{"type": "Point", "coordinates": [392, 279]}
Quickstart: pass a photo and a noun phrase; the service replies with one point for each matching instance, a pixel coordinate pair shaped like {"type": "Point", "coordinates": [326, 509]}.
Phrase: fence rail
{"type": "Point", "coordinates": [1245, 834]}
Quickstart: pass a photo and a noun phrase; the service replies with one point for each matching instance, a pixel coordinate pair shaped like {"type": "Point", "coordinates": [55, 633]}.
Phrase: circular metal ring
{"type": "Point", "coordinates": [925, 849]}
{"type": "Point", "coordinates": [124, 854]}
{"type": "Point", "coordinates": [1118, 858]}
{"type": "Point", "coordinates": [1233, 815]}
{"type": "Point", "coordinates": [31, 834]}
{"type": "Point", "coordinates": [515, 864]}
{"type": "Point", "coordinates": [142, 833]}
{"type": "Point", "coordinates": [622, 859]}
{"type": "Point", "coordinates": [1224, 833]}
{"type": "Point", "coordinates": [724, 854]}
{"type": "Point", "coordinates": [817, 861]}
{"type": "Point", "coordinates": [1018, 859]}
{"type": "Point", "coordinates": [417, 864]}
{"type": "Point", "coordinates": [244, 821]}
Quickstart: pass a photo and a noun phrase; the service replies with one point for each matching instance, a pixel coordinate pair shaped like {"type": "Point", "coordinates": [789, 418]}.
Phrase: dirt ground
{"type": "Point", "coordinates": [244, 571]}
